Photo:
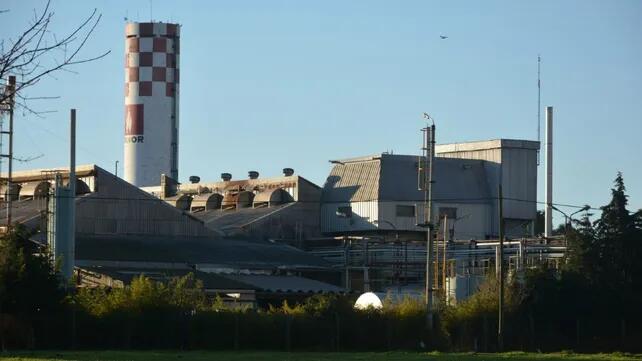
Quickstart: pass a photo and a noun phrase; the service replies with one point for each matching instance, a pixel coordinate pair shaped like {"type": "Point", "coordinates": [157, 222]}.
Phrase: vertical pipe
{"type": "Point", "coordinates": [72, 152]}
{"type": "Point", "coordinates": [436, 262]}
{"type": "Point", "coordinates": [548, 186]}
{"type": "Point", "coordinates": [430, 137]}
{"type": "Point", "coordinates": [71, 243]}
{"type": "Point", "coordinates": [500, 262]}
{"type": "Point", "coordinates": [9, 195]}
{"type": "Point", "coordinates": [444, 259]}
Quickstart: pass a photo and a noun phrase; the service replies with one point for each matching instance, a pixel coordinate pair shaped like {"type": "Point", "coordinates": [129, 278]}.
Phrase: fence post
{"type": "Point", "coordinates": [236, 330]}
{"type": "Point", "coordinates": [623, 333]}
{"type": "Point", "coordinates": [577, 333]}
{"type": "Point", "coordinates": [531, 323]}
{"type": "Point", "coordinates": [389, 332]}
{"type": "Point", "coordinates": [338, 331]}
{"type": "Point", "coordinates": [288, 333]}
{"type": "Point", "coordinates": [485, 333]}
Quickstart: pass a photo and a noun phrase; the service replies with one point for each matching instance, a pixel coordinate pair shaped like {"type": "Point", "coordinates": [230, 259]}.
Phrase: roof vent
{"type": "Point", "coordinates": [194, 179]}
{"type": "Point", "coordinates": [253, 174]}
{"type": "Point", "coordinates": [226, 177]}
{"type": "Point", "coordinates": [288, 172]}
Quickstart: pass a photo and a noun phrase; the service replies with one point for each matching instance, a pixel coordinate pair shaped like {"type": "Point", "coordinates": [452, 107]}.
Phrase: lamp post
{"type": "Point", "coordinates": [377, 221]}
{"type": "Point", "coordinates": [568, 219]}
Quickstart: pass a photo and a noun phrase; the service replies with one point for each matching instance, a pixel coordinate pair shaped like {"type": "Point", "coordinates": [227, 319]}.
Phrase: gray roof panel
{"type": "Point", "coordinates": [221, 252]}
{"type": "Point", "coordinates": [391, 177]}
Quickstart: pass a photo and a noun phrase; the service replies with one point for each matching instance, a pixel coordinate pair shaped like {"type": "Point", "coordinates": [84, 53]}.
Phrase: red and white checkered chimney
{"type": "Point", "coordinates": [151, 102]}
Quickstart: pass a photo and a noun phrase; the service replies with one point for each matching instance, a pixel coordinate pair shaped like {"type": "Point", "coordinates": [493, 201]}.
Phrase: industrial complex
{"type": "Point", "coordinates": [261, 239]}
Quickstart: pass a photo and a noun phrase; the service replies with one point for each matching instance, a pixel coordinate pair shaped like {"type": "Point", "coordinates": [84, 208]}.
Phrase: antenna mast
{"type": "Point", "coordinates": [539, 106]}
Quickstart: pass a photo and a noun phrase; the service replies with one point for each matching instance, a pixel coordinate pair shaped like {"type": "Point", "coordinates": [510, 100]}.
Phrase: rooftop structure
{"type": "Point", "coordinates": [282, 207]}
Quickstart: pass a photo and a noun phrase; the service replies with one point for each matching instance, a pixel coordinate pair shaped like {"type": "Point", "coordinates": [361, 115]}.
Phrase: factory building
{"type": "Point", "coordinates": [363, 196]}
{"type": "Point", "coordinates": [283, 207]}
{"type": "Point", "coordinates": [511, 164]}
{"type": "Point", "coordinates": [151, 101]}
{"type": "Point", "coordinates": [122, 231]}
{"type": "Point", "coordinates": [372, 212]}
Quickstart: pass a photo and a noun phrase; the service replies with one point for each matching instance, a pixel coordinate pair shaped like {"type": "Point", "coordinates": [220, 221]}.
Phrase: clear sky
{"type": "Point", "coordinates": [273, 84]}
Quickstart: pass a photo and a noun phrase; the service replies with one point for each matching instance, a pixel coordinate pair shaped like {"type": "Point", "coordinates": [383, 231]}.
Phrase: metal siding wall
{"type": "Point", "coordinates": [519, 179]}
{"type": "Point", "coordinates": [363, 213]}
{"type": "Point", "coordinates": [517, 168]}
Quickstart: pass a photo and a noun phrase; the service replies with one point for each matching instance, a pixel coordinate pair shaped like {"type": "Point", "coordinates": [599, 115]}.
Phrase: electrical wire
{"type": "Point", "coordinates": [90, 196]}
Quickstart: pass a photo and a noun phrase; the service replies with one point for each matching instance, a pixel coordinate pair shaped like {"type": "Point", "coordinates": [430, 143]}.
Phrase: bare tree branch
{"type": "Point", "coordinates": [37, 53]}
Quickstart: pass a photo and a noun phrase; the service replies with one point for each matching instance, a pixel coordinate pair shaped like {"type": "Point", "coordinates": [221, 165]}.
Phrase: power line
{"type": "Point", "coordinates": [89, 196]}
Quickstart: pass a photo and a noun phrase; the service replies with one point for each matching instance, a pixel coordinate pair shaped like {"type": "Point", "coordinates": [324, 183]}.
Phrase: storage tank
{"type": "Point", "coordinates": [151, 102]}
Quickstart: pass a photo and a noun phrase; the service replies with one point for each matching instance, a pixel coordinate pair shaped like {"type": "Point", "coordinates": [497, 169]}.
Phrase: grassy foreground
{"type": "Point", "coordinates": [307, 356]}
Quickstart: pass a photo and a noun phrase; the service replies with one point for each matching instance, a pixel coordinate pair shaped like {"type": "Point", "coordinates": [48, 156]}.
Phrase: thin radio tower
{"type": "Point", "coordinates": [539, 106]}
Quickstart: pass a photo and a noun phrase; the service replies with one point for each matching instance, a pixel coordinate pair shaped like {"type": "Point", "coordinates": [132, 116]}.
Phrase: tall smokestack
{"type": "Point", "coordinates": [151, 102]}
{"type": "Point", "coordinates": [548, 185]}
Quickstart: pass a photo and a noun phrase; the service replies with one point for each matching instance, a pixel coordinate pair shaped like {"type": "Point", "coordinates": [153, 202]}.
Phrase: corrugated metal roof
{"type": "Point", "coordinates": [243, 254]}
{"type": "Point", "coordinates": [233, 219]}
{"type": "Point", "coordinates": [286, 283]}
{"type": "Point", "coordinates": [392, 177]}
{"type": "Point", "coordinates": [210, 281]}
{"type": "Point", "coordinates": [355, 181]}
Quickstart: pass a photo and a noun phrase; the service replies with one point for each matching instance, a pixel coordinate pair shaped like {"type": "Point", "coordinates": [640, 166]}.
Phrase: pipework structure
{"type": "Point", "coordinates": [151, 102]}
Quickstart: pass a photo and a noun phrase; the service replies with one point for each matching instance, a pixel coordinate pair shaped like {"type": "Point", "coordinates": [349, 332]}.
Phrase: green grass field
{"type": "Point", "coordinates": [307, 356]}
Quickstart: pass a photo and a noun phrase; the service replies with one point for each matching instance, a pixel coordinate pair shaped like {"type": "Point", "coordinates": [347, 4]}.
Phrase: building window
{"type": "Point", "coordinates": [405, 211]}
{"type": "Point", "coordinates": [344, 212]}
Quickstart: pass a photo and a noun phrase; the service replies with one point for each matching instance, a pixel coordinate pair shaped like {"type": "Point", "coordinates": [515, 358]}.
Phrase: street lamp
{"type": "Point", "coordinates": [377, 221]}
{"type": "Point", "coordinates": [568, 219]}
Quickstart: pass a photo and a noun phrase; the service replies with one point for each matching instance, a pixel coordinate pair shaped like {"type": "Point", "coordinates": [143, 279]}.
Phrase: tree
{"type": "Point", "coordinates": [580, 242]}
{"type": "Point", "coordinates": [539, 222]}
{"type": "Point", "coordinates": [29, 286]}
{"type": "Point", "coordinates": [618, 242]}
{"type": "Point", "coordinates": [37, 52]}
{"type": "Point", "coordinates": [608, 251]}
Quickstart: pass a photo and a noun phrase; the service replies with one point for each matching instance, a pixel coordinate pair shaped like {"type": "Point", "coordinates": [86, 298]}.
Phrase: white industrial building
{"type": "Point", "coordinates": [381, 192]}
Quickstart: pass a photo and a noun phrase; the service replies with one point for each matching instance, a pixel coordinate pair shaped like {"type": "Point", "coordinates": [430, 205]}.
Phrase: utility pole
{"type": "Point", "coordinates": [500, 262]}
{"type": "Point", "coordinates": [443, 264]}
{"type": "Point", "coordinates": [116, 169]}
{"type": "Point", "coordinates": [428, 155]}
{"type": "Point", "coordinates": [11, 90]}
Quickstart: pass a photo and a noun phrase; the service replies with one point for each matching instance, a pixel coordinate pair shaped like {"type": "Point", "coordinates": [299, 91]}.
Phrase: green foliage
{"type": "Point", "coordinates": [28, 283]}
{"type": "Point", "coordinates": [183, 294]}
{"type": "Point", "coordinates": [608, 252]}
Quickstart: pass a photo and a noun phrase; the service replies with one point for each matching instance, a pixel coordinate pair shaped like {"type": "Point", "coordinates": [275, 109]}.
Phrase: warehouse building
{"type": "Point", "coordinates": [366, 195]}
{"type": "Point", "coordinates": [124, 230]}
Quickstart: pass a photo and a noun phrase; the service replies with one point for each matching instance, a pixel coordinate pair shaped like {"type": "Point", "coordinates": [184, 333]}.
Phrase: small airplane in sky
{"type": "Point", "coordinates": [443, 37]}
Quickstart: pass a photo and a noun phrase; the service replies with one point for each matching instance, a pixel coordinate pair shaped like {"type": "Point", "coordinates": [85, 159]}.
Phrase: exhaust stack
{"type": "Point", "coordinates": [548, 185]}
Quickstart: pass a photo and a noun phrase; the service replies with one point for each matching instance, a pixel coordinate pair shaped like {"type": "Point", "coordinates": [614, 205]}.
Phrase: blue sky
{"type": "Point", "coordinates": [273, 84]}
